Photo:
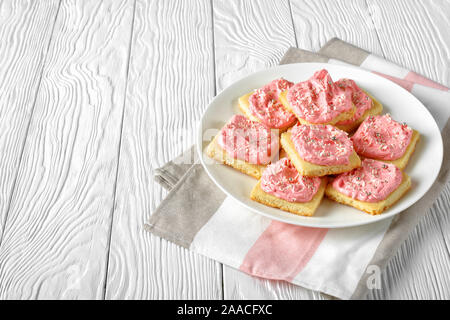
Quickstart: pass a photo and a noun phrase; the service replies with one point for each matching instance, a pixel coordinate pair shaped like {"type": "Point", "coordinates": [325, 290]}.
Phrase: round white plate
{"type": "Point", "coordinates": [423, 167]}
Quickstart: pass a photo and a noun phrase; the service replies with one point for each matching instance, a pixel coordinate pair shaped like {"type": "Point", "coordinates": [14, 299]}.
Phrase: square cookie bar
{"type": "Point", "coordinates": [382, 138]}
{"type": "Point", "coordinates": [374, 110]}
{"type": "Point", "coordinates": [263, 105]}
{"type": "Point", "coordinates": [404, 159]}
{"type": "Point", "coordinates": [372, 188]}
{"type": "Point", "coordinates": [216, 152]}
{"type": "Point", "coordinates": [300, 208]}
{"type": "Point", "coordinates": [319, 100]}
{"type": "Point", "coordinates": [347, 115]}
{"type": "Point", "coordinates": [282, 187]}
{"type": "Point", "coordinates": [245, 145]}
{"type": "Point", "coordinates": [308, 168]}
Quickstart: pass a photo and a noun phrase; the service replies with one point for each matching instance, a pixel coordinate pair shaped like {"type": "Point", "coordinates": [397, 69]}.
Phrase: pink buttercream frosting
{"type": "Point", "coordinates": [264, 105]}
{"type": "Point", "coordinates": [372, 182]}
{"type": "Point", "coordinates": [322, 144]}
{"type": "Point", "coordinates": [277, 86]}
{"type": "Point", "coordinates": [360, 99]}
{"type": "Point", "coordinates": [382, 138]}
{"type": "Point", "coordinates": [282, 180]}
{"type": "Point", "coordinates": [319, 100]}
{"type": "Point", "coordinates": [248, 140]}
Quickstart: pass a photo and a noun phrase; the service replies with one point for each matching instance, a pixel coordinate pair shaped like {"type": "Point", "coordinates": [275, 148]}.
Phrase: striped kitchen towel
{"type": "Point", "coordinates": [339, 262]}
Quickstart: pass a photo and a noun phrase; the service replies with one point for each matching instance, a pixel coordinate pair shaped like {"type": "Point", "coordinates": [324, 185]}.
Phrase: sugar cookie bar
{"type": "Point", "coordinates": [383, 138]}
{"type": "Point", "coordinates": [373, 208]}
{"type": "Point", "coordinates": [244, 106]}
{"type": "Point", "coordinates": [299, 208]}
{"type": "Point", "coordinates": [215, 151]}
{"type": "Point", "coordinates": [376, 109]}
{"type": "Point", "coordinates": [403, 161]}
{"type": "Point", "coordinates": [342, 117]}
{"type": "Point", "coordinates": [306, 168]}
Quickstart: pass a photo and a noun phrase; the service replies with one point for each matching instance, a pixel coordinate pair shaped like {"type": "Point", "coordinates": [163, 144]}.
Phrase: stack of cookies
{"type": "Point", "coordinates": [314, 138]}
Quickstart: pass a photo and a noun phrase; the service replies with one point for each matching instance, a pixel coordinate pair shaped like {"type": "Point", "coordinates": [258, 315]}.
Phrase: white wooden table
{"type": "Point", "coordinates": [94, 95]}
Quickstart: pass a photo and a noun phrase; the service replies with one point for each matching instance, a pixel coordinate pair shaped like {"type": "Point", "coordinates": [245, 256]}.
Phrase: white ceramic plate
{"type": "Point", "coordinates": [423, 167]}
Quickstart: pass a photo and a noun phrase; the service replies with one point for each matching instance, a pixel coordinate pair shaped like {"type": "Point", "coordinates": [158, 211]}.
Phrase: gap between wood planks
{"type": "Point", "coordinates": [118, 154]}
{"type": "Point", "coordinates": [22, 149]}
{"type": "Point", "coordinates": [375, 28]}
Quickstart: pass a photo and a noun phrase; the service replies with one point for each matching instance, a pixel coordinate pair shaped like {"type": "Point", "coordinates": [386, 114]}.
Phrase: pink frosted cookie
{"type": "Point", "coordinates": [360, 99]}
{"type": "Point", "coordinates": [282, 180]}
{"type": "Point", "coordinates": [318, 150]}
{"type": "Point", "coordinates": [248, 140]}
{"type": "Point", "coordinates": [383, 138]}
{"type": "Point", "coordinates": [373, 187]}
{"type": "Point", "coordinates": [372, 182]}
{"type": "Point", "coordinates": [277, 86]}
{"type": "Point", "coordinates": [263, 105]}
{"type": "Point", "coordinates": [245, 145]}
{"type": "Point", "coordinates": [364, 103]}
{"type": "Point", "coordinates": [319, 100]}
{"type": "Point", "coordinates": [322, 144]}
{"type": "Point", "coordinates": [281, 186]}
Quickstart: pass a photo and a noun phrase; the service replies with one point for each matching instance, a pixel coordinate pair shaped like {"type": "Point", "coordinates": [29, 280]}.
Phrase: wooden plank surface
{"type": "Point", "coordinates": [414, 34]}
{"type": "Point", "coordinates": [171, 81]}
{"type": "Point", "coordinates": [25, 31]}
{"type": "Point", "coordinates": [316, 22]}
{"type": "Point", "coordinates": [56, 237]}
{"type": "Point", "coordinates": [73, 203]}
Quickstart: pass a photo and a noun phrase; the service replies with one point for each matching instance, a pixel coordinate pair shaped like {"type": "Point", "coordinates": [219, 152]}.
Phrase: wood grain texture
{"type": "Point", "coordinates": [170, 83]}
{"type": "Point", "coordinates": [316, 22]}
{"type": "Point", "coordinates": [25, 31]}
{"type": "Point", "coordinates": [419, 270]}
{"type": "Point", "coordinates": [58, 223]}
{"type": "Point", "coordinates": [56, 236]}
{"type": "Point", "coordinates": [250, 36]}
{"type": "Point", "coordinates": [415, 34]}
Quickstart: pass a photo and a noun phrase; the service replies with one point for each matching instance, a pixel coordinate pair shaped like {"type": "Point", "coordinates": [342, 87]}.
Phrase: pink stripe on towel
{"type": "Point", "coordinates": [417, 78]}
{"type": "Point", "coordinates": [282, 251]}
{"type": "Point", "coordinates": [408, 85]}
